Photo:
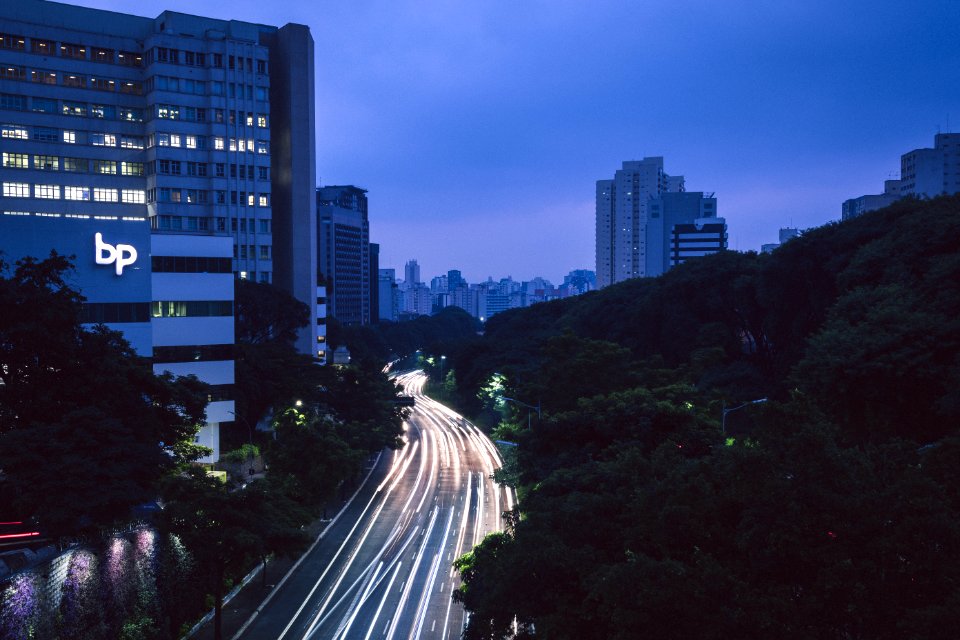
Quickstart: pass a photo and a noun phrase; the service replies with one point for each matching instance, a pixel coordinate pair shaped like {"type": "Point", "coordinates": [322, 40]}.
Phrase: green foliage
{"type": "Point", "coordinates": [825, 513]}
{"type": "Point", "coordinates": [86, 428]}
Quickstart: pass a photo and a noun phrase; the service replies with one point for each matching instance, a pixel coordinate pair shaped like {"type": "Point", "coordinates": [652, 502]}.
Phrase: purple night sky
{"type": "Point", "coordinates": [479, 129]}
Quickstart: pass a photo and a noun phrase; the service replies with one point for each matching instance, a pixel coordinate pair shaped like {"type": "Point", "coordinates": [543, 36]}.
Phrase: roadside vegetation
{"type": "Point", "coordinates": [89, 437]}
{"type": "Point", "coordinates": [748, 446]}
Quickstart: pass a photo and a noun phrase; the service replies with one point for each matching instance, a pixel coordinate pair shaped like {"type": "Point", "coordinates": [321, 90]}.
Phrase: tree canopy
{"type": "Point", "coordinates": [830, 510]}
{"type": "Point", "coordinates": [86, 428]}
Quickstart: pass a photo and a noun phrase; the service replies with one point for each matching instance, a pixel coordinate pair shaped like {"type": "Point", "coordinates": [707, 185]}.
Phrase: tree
{"type": "Point", "coordinates": [86, 428]}
{"type": "Point", "coordinates": [224, 530]}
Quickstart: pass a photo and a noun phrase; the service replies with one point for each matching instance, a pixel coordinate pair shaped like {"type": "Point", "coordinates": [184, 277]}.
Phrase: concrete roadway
{"type": "Point", "coordinates": [383, 570]}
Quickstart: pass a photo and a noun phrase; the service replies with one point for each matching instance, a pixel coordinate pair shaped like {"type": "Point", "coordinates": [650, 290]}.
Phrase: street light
{"type": "Point", "coordinates": [442, 358]}
{"type": "Point", "coordinates": [528, 406]}
{"type": "Point", "coordinates": [723, 419]}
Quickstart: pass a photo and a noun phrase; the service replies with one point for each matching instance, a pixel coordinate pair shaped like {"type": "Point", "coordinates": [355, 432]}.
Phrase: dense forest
{"type": "Point", "coordinates": [748, 446]}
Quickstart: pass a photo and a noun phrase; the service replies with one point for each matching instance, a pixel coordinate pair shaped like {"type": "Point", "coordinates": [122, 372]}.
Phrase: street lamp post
{"type": "Point", "coordinates": [528, 406]}
{"type": "Point", "coordinates": [723, 418]}
{"type": "Point", "coordinates": [442, 395]}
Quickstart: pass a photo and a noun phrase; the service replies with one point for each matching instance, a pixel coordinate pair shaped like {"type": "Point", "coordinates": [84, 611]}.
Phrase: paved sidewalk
{"type": "Point", "coordinates": [244, 603]}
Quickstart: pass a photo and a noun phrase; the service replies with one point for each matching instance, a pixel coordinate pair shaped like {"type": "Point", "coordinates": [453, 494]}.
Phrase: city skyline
{"type": "Point", "coordinates": [479, 131]}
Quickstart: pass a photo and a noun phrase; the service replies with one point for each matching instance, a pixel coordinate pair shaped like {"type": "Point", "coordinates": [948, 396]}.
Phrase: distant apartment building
{"type": "Point", "coordinates": [924, 173]}
{"type": "Point", "coordinates": [681, 225]}
{"type": "Point", "coordinates": [892, 191]}
{"type": "Point", "coordinates": [411, 273]}
{"type": "Point", "coordinates": [188, 138]}
{"type": "Point", "coordinates": [786, 234]}
{"type": "Point", "coordinates": [344, 251]}
{"type": "Point", "coordinates": [622, 215]}
{"type": "Point", "coordinates": [387, 295]}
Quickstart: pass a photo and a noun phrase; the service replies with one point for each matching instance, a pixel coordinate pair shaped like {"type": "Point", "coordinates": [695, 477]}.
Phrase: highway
{"type": "Point", "coordinates": [383, 569]}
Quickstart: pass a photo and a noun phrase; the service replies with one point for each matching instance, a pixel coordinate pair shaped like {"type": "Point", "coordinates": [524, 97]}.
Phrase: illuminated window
{"type": "Point", "coordinates": [131, 115]}
{"type": "Point", "coordinates": [103, 84]}
{"type": "Point", "coordinates": [249, 119]}
{"type": "Point", "coordinates": [233, 144]}
{"type": "Point", "coordinates": [16, 160]}
{"type": "Point", "coordinates": [250, 199]}
{"type": "Point", "coordinates": [105, 166]}
{"type": "Point", "coordinates": [41, 46]}
{"type": "Point", "coordinates": [191, 142]}
{"type": "Point", "coordinates": [8, 41]}
{"type": "Point", "coordinates": [104, 111]}
{"type": "Point", "coordinates": [76, 193]}
{"type": "Point", "coordinates": [175, 139]}
{"type": "Point", "coordinates": [73, 51]}
{"type": "Point", "coordinates": [46, 163]}
{"type": "Point", "coordinates": [136, 88]}
{"type": "Point", "coordinates": [16, 190]}
{"type": "Point", "coordinates": [75, 165]}
{"type": "Point", "coordinates": [70, 137]}
{"type": "Point", "coordinates": [12, 73]}
{"type": "Point", "coordinates": [131, 168]}
{"type": "Point", "coordinates": [131, 142]}
{"type": "Point", "coordinates": [46, 191]}
{"type": "Point", "coordinates": [218, 144]}
{"type": "Point", "coordinates": [129, 59]}
{"type": "Point", "coordinates": [104, 195]}
{"type": "Point", "coordinates": [263, 146]}
{"type": "Point", "coordinates": [14, 131]}
{"type": "Point", "coordinates": [74, 108]}
{"type": "Point", "coordinates": [74, 80]}
{"type": "Point", "coordinates": [163, 139]}
{"type": "Point", "coordinates": [264, 200]}
{"type": "Point", "coordinates": [44, 77]}
{"type": "Point", "coordinates": [103, 139]}
{"type": "Point", "coordinates": [133, 196]}
{"type": "Point", "coordinates": [261, 120]}
{"type": "Point", "coordinates": [170, 112]}
{"type": "Point", "coordinates": [101, 55]}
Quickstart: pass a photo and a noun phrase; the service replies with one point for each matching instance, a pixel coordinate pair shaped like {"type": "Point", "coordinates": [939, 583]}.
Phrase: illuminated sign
{"type": "Point", "coordinates": [122, 254]}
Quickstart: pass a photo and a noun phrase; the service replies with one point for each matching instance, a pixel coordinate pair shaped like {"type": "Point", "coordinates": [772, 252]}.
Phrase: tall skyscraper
{"type": "Point", "coordinates": [411, 273]}
{"type": "Point", "coordinates": [198, 126]}
{"type": "Point", "coordinates": [621, 217]}
{"type": "Point", "coordinates": [387, 295]}
{"type": "Point", "coordinates": [344, 247]}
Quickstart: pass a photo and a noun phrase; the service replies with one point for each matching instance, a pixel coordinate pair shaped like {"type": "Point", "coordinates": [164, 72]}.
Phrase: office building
{"type": "Point", "coordinates": [668, 213]}
{"type": "Point", "coordinates": [411, 273]}
{"type": "Point", "coordinates": [344, 248]}
{"type": "Point", "coordinates": [621, 217]}
{"type": "Point", "coordinates": [388, 295]}
{"type": "Point", "coordinates": [892, 191]}
{"type": "Point", "coordinates": [373, 277]}
{"type": "Point", "coordinates": [200, 126]}
{"type": "Point", "coordinates": [924, 173]}
{"type": "Point", "coordinates": [192, 137]}
{"type": "Point", "coordinates": [170, 296]}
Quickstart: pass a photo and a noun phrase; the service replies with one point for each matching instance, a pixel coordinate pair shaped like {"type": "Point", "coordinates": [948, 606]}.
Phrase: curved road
{"type": "Point", "coordinates": [383, 569]}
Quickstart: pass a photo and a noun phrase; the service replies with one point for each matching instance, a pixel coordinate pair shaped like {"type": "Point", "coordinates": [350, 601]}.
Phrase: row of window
{"type": "Point", "coordinates": [249, 252]}
{"type": "Point", "coordinates": [36, 104]}
{"type": "Point", "coordinates": [191, 264]}
{"type": "Point", "coordinates": [191, 308]}
{"type": "Point", "coordinates": [200, 196]}
{"type": "Point", "coordinates": [192, 58]}
{"type": "Point", "coordinates": [69, 136]}
{"type": "Point", "coordinates": [97, 139]}
{"type": "Point", "coordinates": [75, 165]}
{"type": "Point", "coordinates": [103, 312]}
{"type": "Point", "coordinates": [218, 224]}
{"type": "Point", "coordinates": [69, 50]}
{"type": "Point", "coordinates": [82, 194]}
{"type": "Point", "coordinates": [75, 216]}
{"type": "Point", "coordinates": [17, 102]}
{"type": "Point", "coordinates": [194, 353]}
{"type": "Point", "coordinates": [44, 76]}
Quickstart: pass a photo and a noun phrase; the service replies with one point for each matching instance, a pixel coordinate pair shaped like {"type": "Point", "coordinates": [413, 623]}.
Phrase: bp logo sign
{"type": "Point", "coordinates": [122, 255]}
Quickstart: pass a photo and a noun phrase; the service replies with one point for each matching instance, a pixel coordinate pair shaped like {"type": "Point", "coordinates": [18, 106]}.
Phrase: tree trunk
{"type": "Point", "coordinates": [218, 608]}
